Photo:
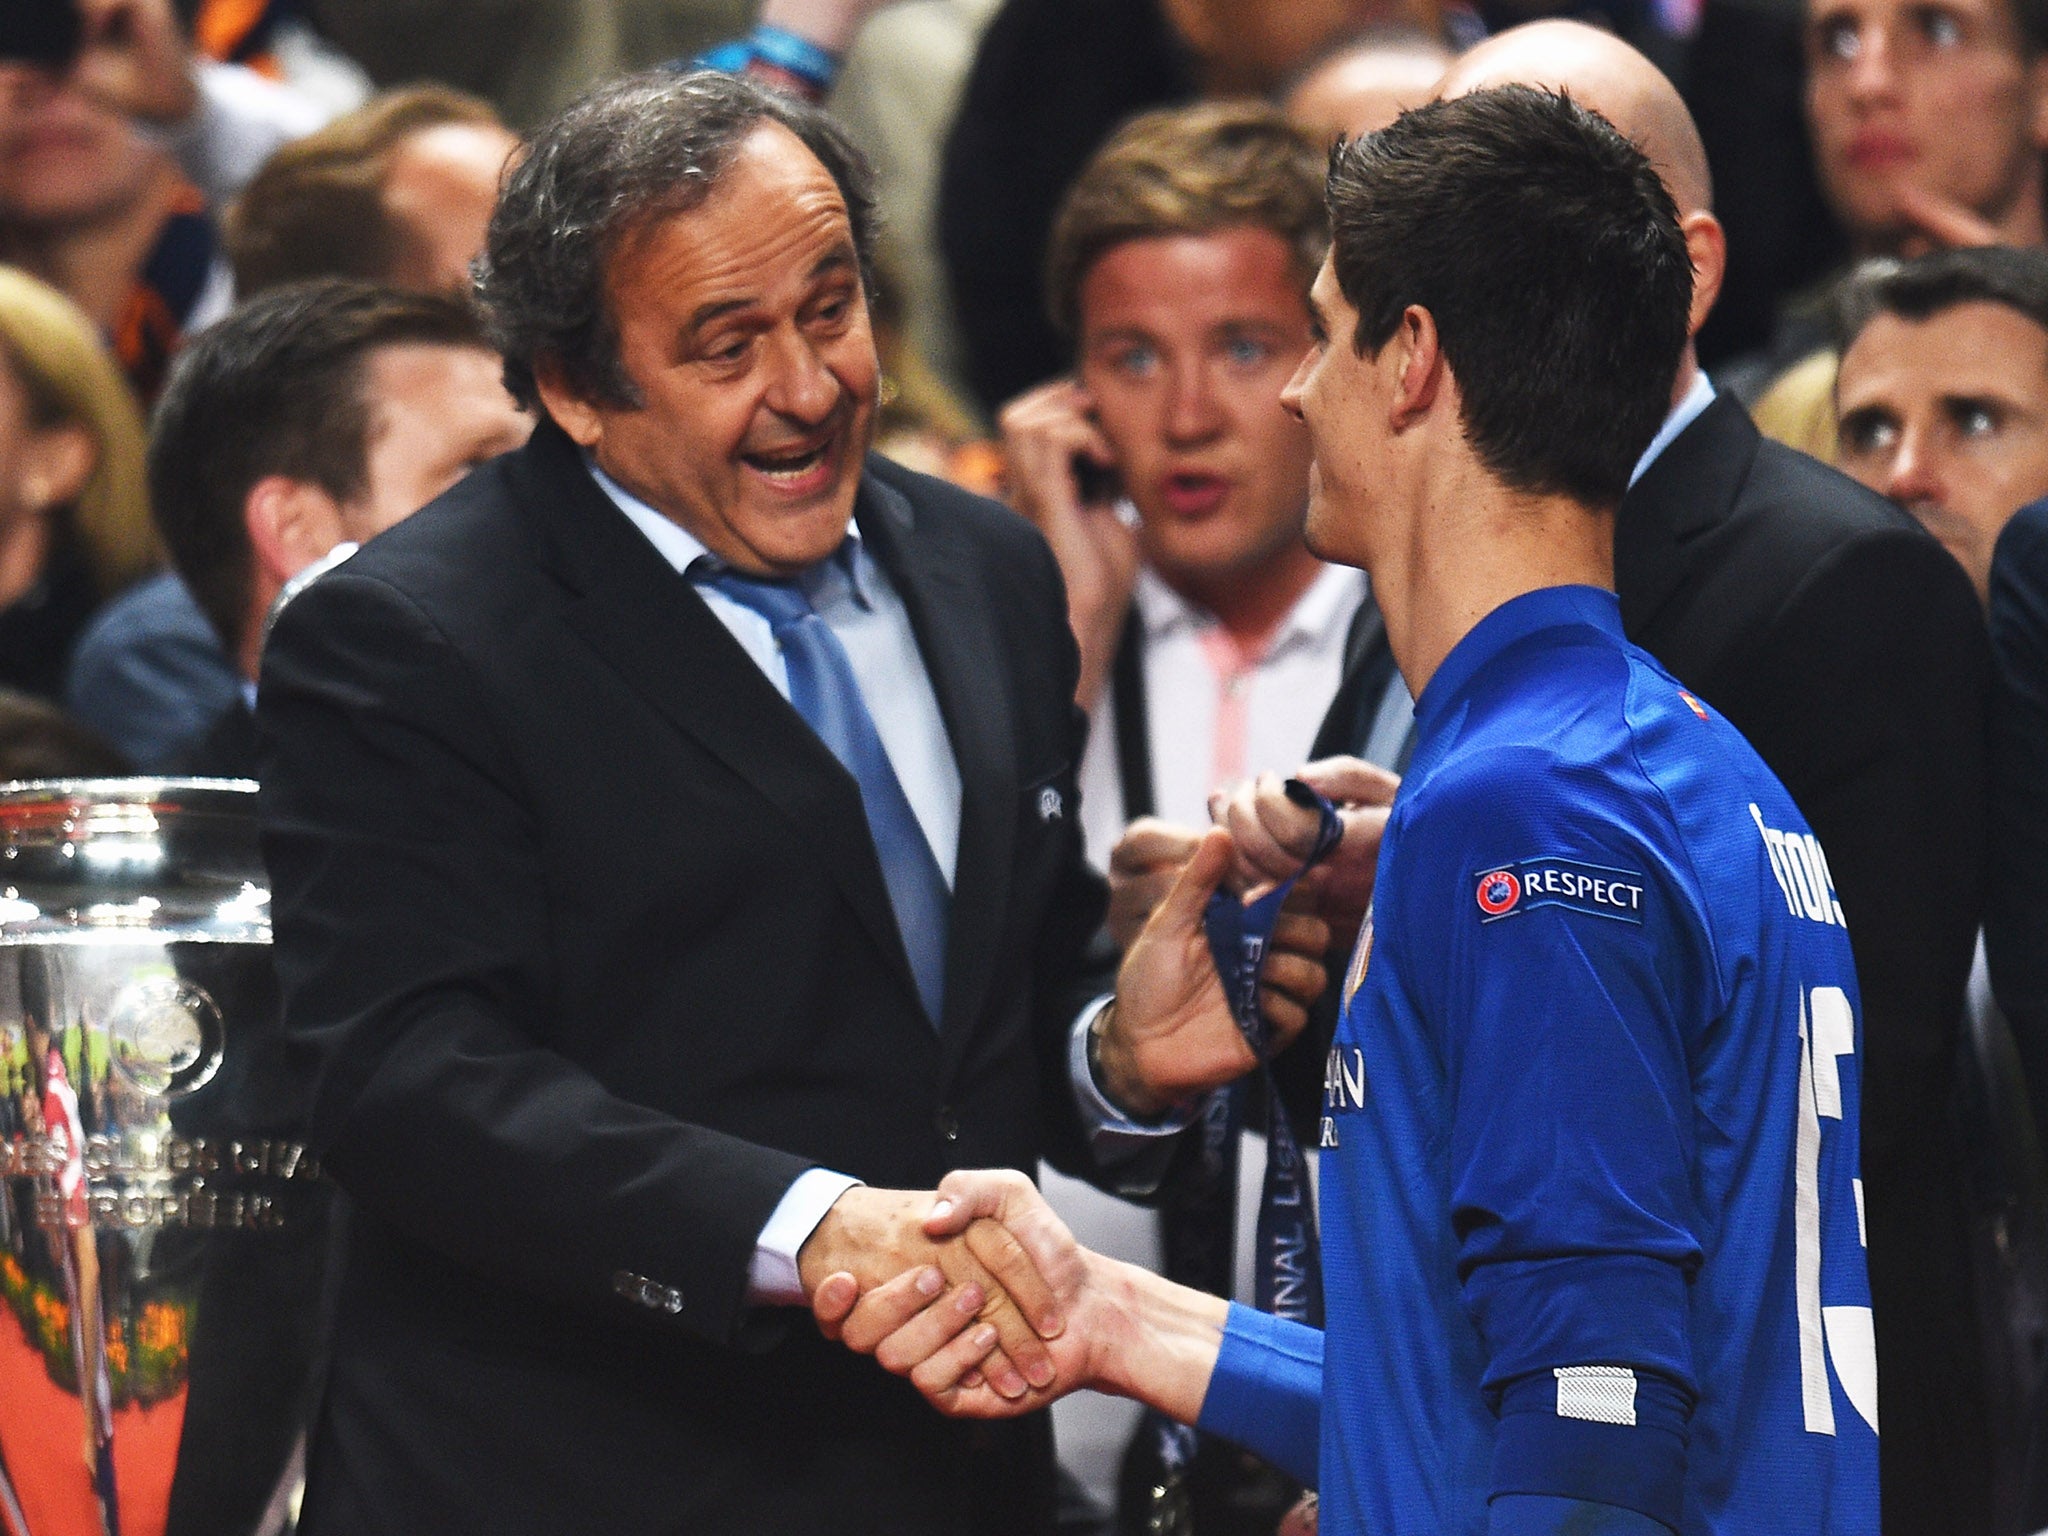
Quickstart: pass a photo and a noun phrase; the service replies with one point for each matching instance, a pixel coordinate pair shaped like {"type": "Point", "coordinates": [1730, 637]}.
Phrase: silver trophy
{"type": "Point", "coordinates": [162, 1235]}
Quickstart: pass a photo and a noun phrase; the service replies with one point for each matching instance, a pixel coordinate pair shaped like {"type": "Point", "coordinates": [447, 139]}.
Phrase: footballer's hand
{"type": "Point", "coordinates": [878, 1235]}
{"type": "Point", "coordinates": [1170, 1033]}
{"type": "Point", "coordinates": [1273, 836]}
{"type": "Point", "coordinates": [1048, 433]}
{"type": "Point", "coordinates": [1143, 865]}
{"type": "Point", "coordinates": [1302, 1520]}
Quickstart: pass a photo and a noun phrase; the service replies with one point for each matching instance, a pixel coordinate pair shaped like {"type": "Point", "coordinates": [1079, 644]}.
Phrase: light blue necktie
{"type": "Point", "coordinates": [825, 692]}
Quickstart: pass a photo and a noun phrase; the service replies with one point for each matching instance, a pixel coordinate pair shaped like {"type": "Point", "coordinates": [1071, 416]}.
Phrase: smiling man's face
{"type": "Point", "coordinates": [743, 326]}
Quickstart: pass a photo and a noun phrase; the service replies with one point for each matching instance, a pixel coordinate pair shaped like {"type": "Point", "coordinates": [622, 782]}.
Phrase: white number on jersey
{"type": "Point", "coordinates": [1838, 1335]}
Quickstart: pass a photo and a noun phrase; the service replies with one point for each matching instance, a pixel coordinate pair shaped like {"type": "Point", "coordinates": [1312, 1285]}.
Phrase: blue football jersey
{"type": "Point", "coordinates": [1592, 1225]}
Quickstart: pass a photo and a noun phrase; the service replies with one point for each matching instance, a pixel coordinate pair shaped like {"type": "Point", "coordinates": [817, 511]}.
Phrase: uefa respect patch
{"type": "Point", "coordinates": [1508, 889]}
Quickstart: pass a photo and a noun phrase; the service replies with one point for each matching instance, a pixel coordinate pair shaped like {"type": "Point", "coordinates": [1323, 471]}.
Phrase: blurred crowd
{"type": "Point", "coordinates": [236, 341]}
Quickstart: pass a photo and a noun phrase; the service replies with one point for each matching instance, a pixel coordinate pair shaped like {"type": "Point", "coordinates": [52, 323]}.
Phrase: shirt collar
{"type": "Point", "coordinates": [1683, 415]}
{"type": "Point", "coordinates": [684, 550]}
{"type": "Point", "coordinates": [1161, 609]}
{"type": "Point", "coordinates": [1327, 602]}
{"type": "Point", "coordinates": [1515, 619]}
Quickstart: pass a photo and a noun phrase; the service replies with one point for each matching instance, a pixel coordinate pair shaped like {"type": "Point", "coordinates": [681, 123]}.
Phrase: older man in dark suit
{"type": "Point", "coordinates": [676, 827]}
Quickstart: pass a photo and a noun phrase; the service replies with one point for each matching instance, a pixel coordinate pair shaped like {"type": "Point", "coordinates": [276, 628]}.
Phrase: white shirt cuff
{"type": "Point", "coordinates": [1113, 1135]}
{"type": "Point", "coordinates": [772, 1279]}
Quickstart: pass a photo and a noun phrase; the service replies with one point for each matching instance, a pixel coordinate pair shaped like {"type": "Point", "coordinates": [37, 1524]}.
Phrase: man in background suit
{"type": "Point", "coordinates": [655, 855]}
{"type": "Point", "coordinates": [319, 414]}
{"type": "Point", "coordinates": [1847, 646]}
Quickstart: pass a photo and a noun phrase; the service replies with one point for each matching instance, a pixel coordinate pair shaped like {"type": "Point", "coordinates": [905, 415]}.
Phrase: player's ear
{"type": "Point", "coordinates": [1416, 355]}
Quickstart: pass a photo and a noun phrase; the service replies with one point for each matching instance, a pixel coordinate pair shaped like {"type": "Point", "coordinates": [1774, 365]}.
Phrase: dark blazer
{"type": "Point", "coordinates": [1849, 648]}
{"type": "Point", "coordinates": [226, 751]}
{"type": "Point", "coordinates": [586, 955]}
{"type": "Point", "coordinates": [2016, 916]}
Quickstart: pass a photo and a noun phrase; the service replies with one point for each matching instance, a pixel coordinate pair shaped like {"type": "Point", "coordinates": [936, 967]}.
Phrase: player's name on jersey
{"type": "Point", "coordinates": [1343, 1089]}
{"type": "Point", "coordinates": [1802, 872]}
{"type": "Point", "coordinates": [1506, 890]}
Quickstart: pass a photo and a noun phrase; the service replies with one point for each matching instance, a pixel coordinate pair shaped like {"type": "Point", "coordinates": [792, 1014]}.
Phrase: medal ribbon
{"type": "Point", "coordinates": [1287, 1272]}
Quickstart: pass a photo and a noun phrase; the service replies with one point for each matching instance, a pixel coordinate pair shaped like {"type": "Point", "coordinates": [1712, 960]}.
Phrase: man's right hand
{"type": "Point", "coordinates": [878, 1235]}
{"type": "Point", "coordinates": [1170, 1033]}
{"type": "Point", "coordinates": [1045, 431]}
{"type": "Point", "coordinates": [1126, 1330]}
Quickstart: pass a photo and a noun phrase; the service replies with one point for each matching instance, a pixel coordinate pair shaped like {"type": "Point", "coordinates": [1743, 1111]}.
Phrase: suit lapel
{"type": "Point", "coordinates": [1368, 666]}
{"type": "Point", "coordinates": [1690, 490]}
{"type": "Point", "coordinates": [649, 624]}
{"type": "Point", "coordinates": [963, 657]}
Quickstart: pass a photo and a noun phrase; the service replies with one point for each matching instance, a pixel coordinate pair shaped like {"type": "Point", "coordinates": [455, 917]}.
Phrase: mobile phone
{"type": "Point", "coordinates": [1097, 485]}
{"type": "Point", "coordinates": [44, 32]}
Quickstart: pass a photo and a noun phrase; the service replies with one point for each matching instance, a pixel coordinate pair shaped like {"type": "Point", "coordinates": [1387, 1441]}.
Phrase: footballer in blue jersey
{"type": "Point", "coordinates": [1589, 1148]}
{"type": "Point", "coordinates": [1592, 1242]}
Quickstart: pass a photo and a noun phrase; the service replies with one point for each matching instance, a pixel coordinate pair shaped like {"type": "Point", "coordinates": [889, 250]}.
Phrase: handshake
{"type": "Point", "coordinates": [1009, 1312]}
{"type": "Point", "coordinates": [979, 1293]}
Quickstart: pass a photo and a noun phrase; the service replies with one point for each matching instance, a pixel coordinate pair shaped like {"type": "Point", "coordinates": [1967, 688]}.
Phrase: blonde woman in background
{"type": "Point", "coordinates": [74, 511]}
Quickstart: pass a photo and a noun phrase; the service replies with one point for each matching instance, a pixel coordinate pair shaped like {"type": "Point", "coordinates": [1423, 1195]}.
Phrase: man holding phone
{"type": "Point", "coordinates": [1165, 474]}
{"type": "Point", "coordinates": [1172, 486]}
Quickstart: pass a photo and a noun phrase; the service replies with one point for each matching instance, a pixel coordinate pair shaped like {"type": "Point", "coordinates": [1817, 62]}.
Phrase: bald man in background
{"type": "Point", "coordinates": [1846, 645]}
{"type": "Point", "coordinates": [1362, 84]}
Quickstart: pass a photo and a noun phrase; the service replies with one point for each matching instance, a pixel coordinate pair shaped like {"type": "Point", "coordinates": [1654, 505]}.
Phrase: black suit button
{"type": "Point", "coordinates": [947, 1124]}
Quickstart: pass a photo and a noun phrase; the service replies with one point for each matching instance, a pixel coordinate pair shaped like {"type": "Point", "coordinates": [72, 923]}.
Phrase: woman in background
{"type": "Point", "coordinates": [74, 512]}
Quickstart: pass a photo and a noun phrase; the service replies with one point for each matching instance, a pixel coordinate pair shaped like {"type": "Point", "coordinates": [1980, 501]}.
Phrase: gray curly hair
{"type": "Point", "coordinates": [632, 151]}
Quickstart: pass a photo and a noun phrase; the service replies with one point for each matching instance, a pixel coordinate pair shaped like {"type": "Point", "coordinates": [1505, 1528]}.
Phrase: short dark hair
{"type": "Point", "coordinates": [1189, 171]}
{"type": "Point", "coordinates": [317, 209]}
{"type": "Point", "coordinates": [276, 388]}
{"type": "Point", "coordinates": [633, 151]}
{"type": "Point", "coordinates": [1546, 249]}
{"type": "Point", "coordinates": [1922, 288]}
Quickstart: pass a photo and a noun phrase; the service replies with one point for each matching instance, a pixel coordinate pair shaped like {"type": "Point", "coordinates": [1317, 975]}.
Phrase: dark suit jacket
{"type": "Point", "coordinates": [586, 955]}
{"type": "Point", "coordinates": [226, 751]}
{"type": "Point", "coordinates": [2016, 917]}
{"type": "Point", "coordinates": [1847, 646]}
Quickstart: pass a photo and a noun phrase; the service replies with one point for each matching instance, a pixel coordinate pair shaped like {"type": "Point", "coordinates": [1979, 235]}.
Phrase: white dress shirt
{"type": "Point", "coordinates": [1683, 415]}
{"type": "Point", "coordinates": [1281, 694]}
{"type": "Point", "coordinates": [1281, 697]}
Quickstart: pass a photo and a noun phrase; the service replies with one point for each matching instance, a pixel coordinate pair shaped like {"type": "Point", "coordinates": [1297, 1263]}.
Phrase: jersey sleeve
{"type": "Point", "coordinates": [1578, 957]}
{"type": "Point", "coordinates": [1266, 1392]}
